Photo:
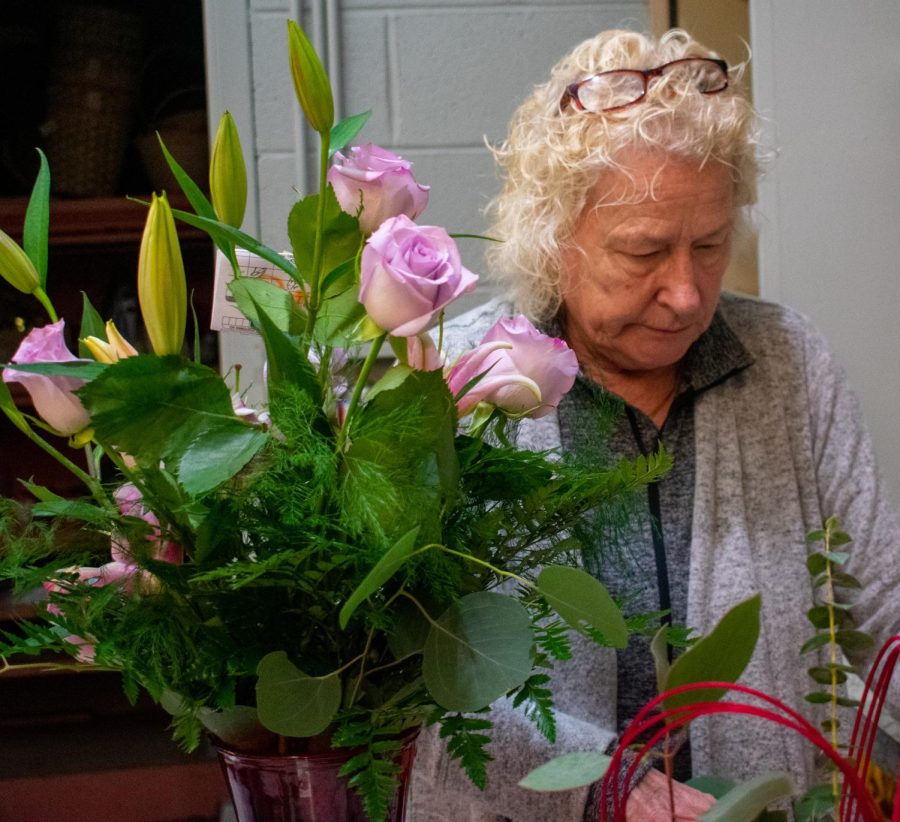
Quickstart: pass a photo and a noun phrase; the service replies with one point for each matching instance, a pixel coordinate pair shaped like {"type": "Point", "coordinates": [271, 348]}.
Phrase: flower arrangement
{"type": "Point", "coordinates": [697, 684]}
{"type": "Point", "coordinates": [333, 568]}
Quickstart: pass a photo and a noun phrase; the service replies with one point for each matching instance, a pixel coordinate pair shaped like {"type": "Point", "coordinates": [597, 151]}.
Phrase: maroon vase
{"type": "Point", "coordinates": [304, 787]}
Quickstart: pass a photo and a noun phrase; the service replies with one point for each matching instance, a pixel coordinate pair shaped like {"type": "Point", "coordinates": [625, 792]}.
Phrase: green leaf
{"type": "Point", "coordinates": [849, 641]}
{"type": "Point", "coordinates": [720, 656]}
{"type": "Point", "coordinates": [815, 642]}
{"type": "Point", "coordinates": [563, 773]}
{"type": "Point", "coordinates": [340, 233]}
{"type": "Point", "coordinates": [344, 131]}
{"type": "Point", "coordinates": [841, 580]}
{"type": "Point", "coordinates": [40, 492]}
{"type": "Point", "coordinates": [814, 804]}
{"type": "Point", "coordinates": [339, 318]}
{"type": "Point", "coordinates": [36, 232]}
{"type": "Point", "coordinates": [292, 703]}
{"type": "Point", "coordinates": [659, 649]}
{"type": "Point", "coordinates": [745, 801]}
{"type": "Point", "coordinates": [716, 786]}
{"type": "Point", "coordinates": [817, 698]}
{"type": "Point", "coordinates": [278, 303]}
{"type": "Point", "coordinates": [384, 569]}
{"type": "Point", "coordinates": [72, 509]}
{"type": "Point", "coordinates": [8, 405]}
{"type": "Point", "coordinates": [167, 409]}
{"type": "Point", "coordinates": [92, 325]}
{"type": "Point", "coordinates": [582, 600]}
{"type": "Point", "coordinates": [79, 369]}
{"type": "Point", "coordinates": [818, 616]}
{"type": "Point", "coordinates": [196, 197]}
{"type": "Point", "coordinates": [816, 563]}
{"type": "Point", "coordinates": [822, 675]}
{"type": "Point", "coordinates": [238, 726]}
{"type": "Point", "coordinates": [840, 538]}
{"type": "Point", "coordinates": [477, 650]}
{"type": "Point", "coordinates": [222, 232]}
{"type": "Point", "coordinates": [837, 557]}
{"type": "Point", "coordinates": [287, 361]}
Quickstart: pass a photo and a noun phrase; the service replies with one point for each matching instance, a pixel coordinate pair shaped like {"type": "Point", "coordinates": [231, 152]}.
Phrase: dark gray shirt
{"type": "Point", "coordinates": [647, 567]}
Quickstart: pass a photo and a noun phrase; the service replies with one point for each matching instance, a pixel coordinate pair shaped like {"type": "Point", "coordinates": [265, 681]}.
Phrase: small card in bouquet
{"type": "Point", "coordinates": [225, 314]}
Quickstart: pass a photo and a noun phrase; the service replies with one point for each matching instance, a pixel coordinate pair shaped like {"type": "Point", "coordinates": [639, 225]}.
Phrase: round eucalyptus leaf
{"type": "Point", "coordinates": [292, 703]}
{"type": "Point", "coordinates": [580, 600]}
{"type": "Point", "coordinates": [477, 650]}
{"type": "Point", "coordinates": [571, 770]}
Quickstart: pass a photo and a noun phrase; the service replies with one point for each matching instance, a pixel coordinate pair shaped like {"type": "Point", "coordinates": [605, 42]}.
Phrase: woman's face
{"type": "Point", "coordinates": [641, 282]}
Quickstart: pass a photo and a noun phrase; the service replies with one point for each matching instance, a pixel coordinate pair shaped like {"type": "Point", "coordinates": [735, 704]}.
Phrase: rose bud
{"type": "Point", "coordinates": [53, 397]}
{"type": "Point", "coordinates": [310, 81]}
{"type": "Point", "coordinates": [162, 289]}
{"type": "Point", "coordinates": [408, 274]}
{"type": "Point", "coordinates": [526, 372]}
{"type": "Point", "coordinates": [16, 266]}
{"type": "Point", "coordinates": [379, 181]}
{"type": "Point", "coordinates": [228, 174]}
{"type": "Point", "coordinates": [422, 353]}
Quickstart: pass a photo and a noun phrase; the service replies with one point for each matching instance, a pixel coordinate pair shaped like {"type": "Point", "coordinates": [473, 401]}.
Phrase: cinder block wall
{"type": "Point", "coordinates": [440, 78]}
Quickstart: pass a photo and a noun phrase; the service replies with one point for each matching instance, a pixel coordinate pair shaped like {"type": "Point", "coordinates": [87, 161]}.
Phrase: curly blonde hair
{"type": "Point", "coordinates": [552, 157]}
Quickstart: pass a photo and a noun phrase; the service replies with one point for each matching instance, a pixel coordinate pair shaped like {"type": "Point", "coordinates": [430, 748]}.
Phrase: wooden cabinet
{"type": "Point", "coordinates": [86, 80]}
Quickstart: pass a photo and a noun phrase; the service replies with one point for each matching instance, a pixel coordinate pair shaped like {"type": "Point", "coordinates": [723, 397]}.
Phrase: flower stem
{"type": "Point", "coordinates": [361, 381]}
{"type": "Point", "coordinates": [316, 278]}
{"type": "Point", "coordinates": [497, 571]}
{"type": "Point", "coordinates": [44, 300]}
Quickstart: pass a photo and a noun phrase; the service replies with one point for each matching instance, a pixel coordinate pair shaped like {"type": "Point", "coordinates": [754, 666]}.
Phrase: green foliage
{"type": "Point", "coordinates": [571, 770]}
{"type": "Point", "coordinates": [467, 743]}
{"type": "Point", "coordinates": [720, 656]}
{"type": "Point", "coordinates": [744, 802]}
{"type": "Point", "coordinates": [538, 702]}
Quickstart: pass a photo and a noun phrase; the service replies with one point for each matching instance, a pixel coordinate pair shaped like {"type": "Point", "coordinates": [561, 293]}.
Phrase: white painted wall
{"type": "Point", "coordinates": [440, 76]}
{"type": "Point", "coordinates": [827, 75]}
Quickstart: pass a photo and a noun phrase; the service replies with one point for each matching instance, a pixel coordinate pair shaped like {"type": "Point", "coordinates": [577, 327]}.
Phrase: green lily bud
{"type": "Point", "coordinates": [310, 81]}
{"type": "Point", "coordinates": [16, 266]}
{"type": "Point", "coordinates": [228, 174]}
{"type": "Point", "coordinates": [162, 289]}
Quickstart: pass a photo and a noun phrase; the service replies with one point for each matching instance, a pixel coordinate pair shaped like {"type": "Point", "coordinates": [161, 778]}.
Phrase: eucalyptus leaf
{"type": "Point", "coordinates": [716, 786]}
{"type": "Point", "coordinates": [582, 600]}
{"type": "Point", "coordinates": [384, 569]}
{"type": "Point", "coordinates": [344, 131]}
{"type": "Point", "coordinates": [563, 773]}
{"type": "Point", "coordinates": [746, 801]}
{"type": "Point", "coordinates": [815, 642]}
{"type": "Point", "coordinates": [816, 563]}
{"type": "Point", "coordinates": [848, 640]}
{"type": "Point", "coordinates": [36, 232]}
{"type": "Point", "coordinates": [720, 656]}
{"type": "Point", "coordinates": [238, 727]}
{"type": "Point", "coordinates": [823, 675]}
{"type": "Point", "coordinates": [292, 703]}
{"type": "Point", "coordinates": [477, 650]}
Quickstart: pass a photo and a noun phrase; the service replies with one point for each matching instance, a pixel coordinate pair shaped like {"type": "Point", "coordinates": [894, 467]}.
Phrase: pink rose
{"type": "Point", "coordinates": [52, 396]}
{"type": "Point", "coordinates": [527, 372]}
{"type": "Point", "coordinates": [408, 274]}
{"type": "Point", "coordinates": [379, 180]}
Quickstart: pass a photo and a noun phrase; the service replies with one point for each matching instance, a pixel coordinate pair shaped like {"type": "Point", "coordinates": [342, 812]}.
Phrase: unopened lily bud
{"type": "Point", "coordinates": [162, 289]}
{"type": "Point", "coordinates": [310, 80]}
{"type": "Point", "coordinates": [16, 266]}
{"type": "Point", "coordinates": [228, 174]}
{"type": "Point", "coordinates": [114, 348]}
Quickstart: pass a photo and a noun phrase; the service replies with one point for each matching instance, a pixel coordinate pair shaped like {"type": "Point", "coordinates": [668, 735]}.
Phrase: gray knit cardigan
{"type": "Point", "coordinates": [779, 447]}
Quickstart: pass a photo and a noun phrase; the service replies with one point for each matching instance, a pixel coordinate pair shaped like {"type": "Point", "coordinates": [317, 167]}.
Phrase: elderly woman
{"type": "Point", "coordinates": [626, 175]}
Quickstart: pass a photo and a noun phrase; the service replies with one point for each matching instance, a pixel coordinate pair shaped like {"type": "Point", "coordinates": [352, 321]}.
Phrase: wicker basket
{"type": "Point", "coordinates": [91, 98]}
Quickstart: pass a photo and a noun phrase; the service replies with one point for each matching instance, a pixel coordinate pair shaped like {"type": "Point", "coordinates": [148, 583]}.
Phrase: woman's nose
{"type": "Point", "coordinates": [679, 290]}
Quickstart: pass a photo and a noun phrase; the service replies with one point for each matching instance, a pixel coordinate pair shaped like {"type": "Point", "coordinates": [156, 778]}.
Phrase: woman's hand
{"type": "Point", "coordinates": [649, 801]}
